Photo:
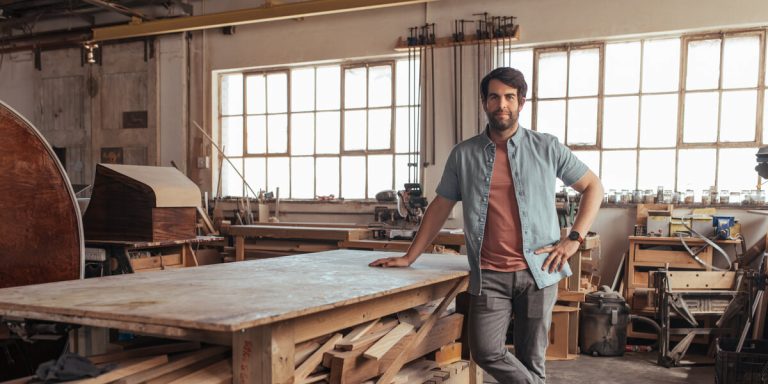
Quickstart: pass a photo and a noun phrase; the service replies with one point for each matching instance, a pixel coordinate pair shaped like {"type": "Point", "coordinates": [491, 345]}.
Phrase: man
{"type": "Point", "coordinates": [505, 178]}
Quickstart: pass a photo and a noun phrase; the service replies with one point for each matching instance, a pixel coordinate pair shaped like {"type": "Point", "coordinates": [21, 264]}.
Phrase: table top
{"type": "Point", "coordinates": [231, 296]}
{"type": "Point", "coordinates": [676, 240]}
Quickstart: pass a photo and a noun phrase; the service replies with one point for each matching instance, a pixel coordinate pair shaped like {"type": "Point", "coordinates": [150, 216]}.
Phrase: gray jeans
{"type": "Point", "coordinates": [505, 294]}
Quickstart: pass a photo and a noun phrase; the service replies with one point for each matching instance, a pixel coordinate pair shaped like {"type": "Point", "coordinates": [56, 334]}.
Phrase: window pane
{"type": "Point", "coordinates": [302, 89]}
{"type": "Point", "coordinates": [550, 118]}
{"type": "Point", "coordinates": [379, 128]}
{"type": "Point", "coordinates": [380, 86]}
{"type": "Point", "coordinates": [407, 72]}
{"type": "Point", "coordinates": [277, 134]}
{"type": "Point", "coordinates": [379, 173]}
{"type": "Point", "coordinates": [277, 93]}
{"type": "Point", "coordinates": [619, 169]}
{"type": "Point", "coordinates": [256, 92]}
{"type": "Point", "coordinates": [736, 171]}
{"type": "Point", "coordinates": [255, 174]}
{"type": "Point", "coordinates": [552, 74]}
{"type": "Point", "coordinates": [354, 87]}
{"type": "Point", "coordinates": [622, 67]}
{"type": "Point", "coordinates": [232, 94]}
{"type": "Point", "coordinates": [695, 169]}
{"type": "Point", "coordinates": [741, 57]}
{"type": "Point", "coordinates": [404, 173]}
{"type": "Point", "coordinates": [738, 116]}
{"type": "Point", "coordinates": [231, 183]}
{"type": "Point", "coordinates": [522, 60]}
{"type": "Point", "coordinates": [525, 115]}
{"type": "Point", "coordinates": [302, 177]}
{"type": "Point", "coordinates": [620, 122]}
{"type": "Point", "coordinates": [657, 167]}
{"type": "Point", "coordinates": [328, 133]}
{"type": "Point", "coordinates": [584, 72]}
{"type": "Point", "coordinates": [661, 65]}
{"type": "Point", "coordinates": [328, 92]}
{"type": "Point", "coordinates": [302, 133]}
{"type": "Point", "coordinates": [658, 121]}
{"type": "Point", "coordinates": [278, 176]}
{"type": "Point", "coordinates": [591, 159]}
{"type": "Point", "coordinates": [404, 140]}
{"type": "Point", "coordinates": [327, 176]}
{"type": "Point", "coordinates": [257, 134]}
{"type": "Point", "coordinates": [353, 177]}
{"type": "Point", "coordinates": [232, 135]}
{"type": "Point", "coordinates": [582, 121]}
{"type": "Point", "coordinates": [703, 64]}
{"type": "Point", "coordinates": [700, 120]}
{"type": "Point", "coordinates": [765, 117]}
{"type": "Point", "coordinates": [354, 130]}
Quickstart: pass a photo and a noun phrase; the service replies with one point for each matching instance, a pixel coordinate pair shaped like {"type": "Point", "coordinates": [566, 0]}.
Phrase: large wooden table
{"type": "Point", "coordinates": [262, 307]}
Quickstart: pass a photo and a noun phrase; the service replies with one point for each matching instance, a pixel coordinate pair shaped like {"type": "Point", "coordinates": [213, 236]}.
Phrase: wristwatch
{"type": "Point", "coordinates": [575, 236]}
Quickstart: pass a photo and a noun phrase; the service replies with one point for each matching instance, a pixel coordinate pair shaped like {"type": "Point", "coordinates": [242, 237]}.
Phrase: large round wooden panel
{"type": "Point", "coordinates": [41, 237]}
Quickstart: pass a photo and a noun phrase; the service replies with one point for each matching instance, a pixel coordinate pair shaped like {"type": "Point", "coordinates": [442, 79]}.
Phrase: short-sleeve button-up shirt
{"type": "Point", "coordinates": [536, 160]}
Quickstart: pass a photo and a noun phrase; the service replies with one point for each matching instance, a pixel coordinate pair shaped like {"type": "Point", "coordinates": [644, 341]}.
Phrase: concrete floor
{"type": "Point", "coordinates": [632, 368]}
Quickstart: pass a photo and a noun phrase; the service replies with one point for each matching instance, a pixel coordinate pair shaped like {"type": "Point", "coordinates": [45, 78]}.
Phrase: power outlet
{"type": "Point", "coordinates": [203, 162]}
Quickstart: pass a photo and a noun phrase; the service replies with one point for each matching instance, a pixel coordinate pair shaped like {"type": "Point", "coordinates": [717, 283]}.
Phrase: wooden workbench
{"type": "Point", "coordinates": [271, 240]}
{"type": "Point", "coordinates": [262, 307]}
{"type": "Point", "coordinates": [165, 254]}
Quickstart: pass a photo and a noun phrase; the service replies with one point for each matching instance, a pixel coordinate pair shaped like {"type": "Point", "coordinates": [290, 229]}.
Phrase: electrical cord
{"type": "Point", "coordinates": [695, 255]}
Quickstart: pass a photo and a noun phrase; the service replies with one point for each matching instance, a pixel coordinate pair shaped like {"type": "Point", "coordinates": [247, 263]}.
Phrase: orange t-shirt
{"type": "Point", "coordinates": [502, 248]}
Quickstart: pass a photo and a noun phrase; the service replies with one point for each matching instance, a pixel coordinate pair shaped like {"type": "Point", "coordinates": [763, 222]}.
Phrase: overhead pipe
{"type": "Point", "coordinates": [244, 16]}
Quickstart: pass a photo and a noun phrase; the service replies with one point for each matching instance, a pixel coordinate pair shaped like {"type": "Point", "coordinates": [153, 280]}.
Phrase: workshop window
{"type": "Point", "coordinates": [681, 112]}
{"type": "Point", "coordinates": [341, 130]}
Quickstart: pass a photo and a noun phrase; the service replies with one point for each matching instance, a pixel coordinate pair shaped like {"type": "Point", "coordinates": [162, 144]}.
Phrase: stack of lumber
{"type": "Point", "coordinates": [355, 355]}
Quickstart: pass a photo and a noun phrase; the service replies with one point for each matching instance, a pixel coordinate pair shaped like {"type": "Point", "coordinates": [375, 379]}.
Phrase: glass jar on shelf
{"type": "Point", "coordinates": [611, 196]}
{"type": "Point", "coordinates": [713, 195]}
{"type": "Point", "coordinates": [688, 196]}
{"type": "Point", "coordinates": [667, 196]}
{"type": "Point", "coordinates": [637, 196]}
{"type": "Point", "coordinates": [649, 197]}
{"type": "Point", "coordinates": [705, 197]}
{"type": "Point", "coordinates": [746, 197]}
{"type": "Point", "coordinates": [759, 197]}
{"type": "Point", "coordinates": [725, 196]}
{"type": "Point", "coordinates": [735, 198]}
{"type": "Point", "coordinates": [624, 196]}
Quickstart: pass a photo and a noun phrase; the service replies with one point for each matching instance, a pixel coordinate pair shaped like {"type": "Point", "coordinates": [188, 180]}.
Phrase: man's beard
{"type": "Point", "coordinates": [503, 125]}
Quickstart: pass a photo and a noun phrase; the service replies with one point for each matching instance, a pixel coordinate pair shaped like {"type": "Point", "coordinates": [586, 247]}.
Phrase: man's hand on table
{"type": "Point", "coordinates": [395, 262]}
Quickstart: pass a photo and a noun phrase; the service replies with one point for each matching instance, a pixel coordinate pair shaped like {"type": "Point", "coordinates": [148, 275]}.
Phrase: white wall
{"type": "Point", "coordinates": [18, 81]}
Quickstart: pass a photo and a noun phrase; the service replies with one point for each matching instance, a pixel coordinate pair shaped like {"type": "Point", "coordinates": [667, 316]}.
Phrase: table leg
{"type": "Point", "coordinates": [239, 248]}
{"type": "Point", "coordinates": [264, 354]}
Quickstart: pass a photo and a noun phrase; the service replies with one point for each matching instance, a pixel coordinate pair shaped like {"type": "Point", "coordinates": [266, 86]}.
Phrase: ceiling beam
{"type": "Point", "coordinates": [117, 8]}
{"type": "Point", "coordinates": [244, 16]}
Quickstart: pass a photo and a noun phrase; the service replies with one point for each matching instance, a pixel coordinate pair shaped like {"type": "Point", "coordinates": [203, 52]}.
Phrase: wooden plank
{"type": "Point", "coordinates": [316, 378]}
{"type": "Point", "coordinates": [239, 248]}
{"type": "Point", "coordinates": [366, 340]}
{"type": "Point", "coordinates": [699, 280]}
{"type": "Point", "coordinates": [285, 232]}
{"type": "Point", "coordinates": [152, 262]}
{"type": "Point", "coordinates": [179, 373]}
{"type": "Point", "coordinates": [21, 380]}
{"type": "Point", "coordinates": [303, 350]}
{"type": "Point", "coordinates": [358, 332]}
{"type": "Point", "coordinates": [218, 373]}
{"type": "Point", "coordinates": [448, 354]}
{"type": "Point", "coordinates": [126, 369]}
{"type": "Point", "coordinates": [264, 354]}
{"type": "Point", "coordinates": [383, 345]}
{"type": "Point", "coordinates": [401, 359]}
{"type": "Point", "coordinates": [672, 257]}
{"type": "Point", "coordinates": [175, 364]}
{"type": "Point", "coordinates": [351, 367]}
{"type": "Point", "coordinates": [307, 367]}
{"type": "Point", "coordinates": [146, 351]}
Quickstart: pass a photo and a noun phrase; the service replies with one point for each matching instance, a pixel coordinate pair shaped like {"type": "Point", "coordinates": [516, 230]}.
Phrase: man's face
{"type": "Point", "coordinates": [502, 106]}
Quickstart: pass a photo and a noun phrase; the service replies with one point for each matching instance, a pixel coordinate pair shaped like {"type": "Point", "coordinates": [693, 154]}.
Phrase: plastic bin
{"type": "Point", "coordinates": [750, 366]}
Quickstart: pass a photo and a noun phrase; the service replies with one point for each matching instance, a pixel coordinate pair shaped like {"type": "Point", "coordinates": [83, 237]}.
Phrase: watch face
{"type": "Point", "coordinates": [573, 235]}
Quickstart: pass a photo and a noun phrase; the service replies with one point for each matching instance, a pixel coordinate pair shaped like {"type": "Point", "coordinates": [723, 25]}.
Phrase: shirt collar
{"type": "Point", "coordinates": [515, 139]}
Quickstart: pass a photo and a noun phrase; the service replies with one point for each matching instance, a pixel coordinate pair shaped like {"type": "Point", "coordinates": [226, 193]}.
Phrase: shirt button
{"type": "Point", "coordinates": [487, 178]}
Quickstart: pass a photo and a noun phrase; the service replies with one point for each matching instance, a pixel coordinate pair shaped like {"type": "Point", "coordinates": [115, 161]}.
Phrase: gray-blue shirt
{"type": "Point", "coordinates": [536, 160]}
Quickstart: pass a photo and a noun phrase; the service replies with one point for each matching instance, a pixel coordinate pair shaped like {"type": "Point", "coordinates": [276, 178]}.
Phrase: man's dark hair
{"type": "Point", "coordinates": [509, 76]}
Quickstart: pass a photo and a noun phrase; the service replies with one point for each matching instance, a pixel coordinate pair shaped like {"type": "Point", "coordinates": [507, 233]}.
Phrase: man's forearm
{"type": "Point", "coordinates": [433, 221]}
{"type": "Point", "coordinates": [591, 198]}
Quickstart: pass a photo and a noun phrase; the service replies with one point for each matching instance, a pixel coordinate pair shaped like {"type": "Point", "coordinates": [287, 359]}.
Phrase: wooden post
{"type": "Point", "coordinates": [239, 248]}
{"type": "Point", "coordinates": [264, 354]}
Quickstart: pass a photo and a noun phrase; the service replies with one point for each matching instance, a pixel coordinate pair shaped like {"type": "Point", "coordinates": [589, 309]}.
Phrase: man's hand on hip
{"type": "Point", "coordinates": [558, 254]}
{"type": "Point", "coordinates": [402, 261]}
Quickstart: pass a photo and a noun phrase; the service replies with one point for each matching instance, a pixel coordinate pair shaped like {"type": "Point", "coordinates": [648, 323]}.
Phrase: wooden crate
{"type": "Point", "coordinates": [563, 337]}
